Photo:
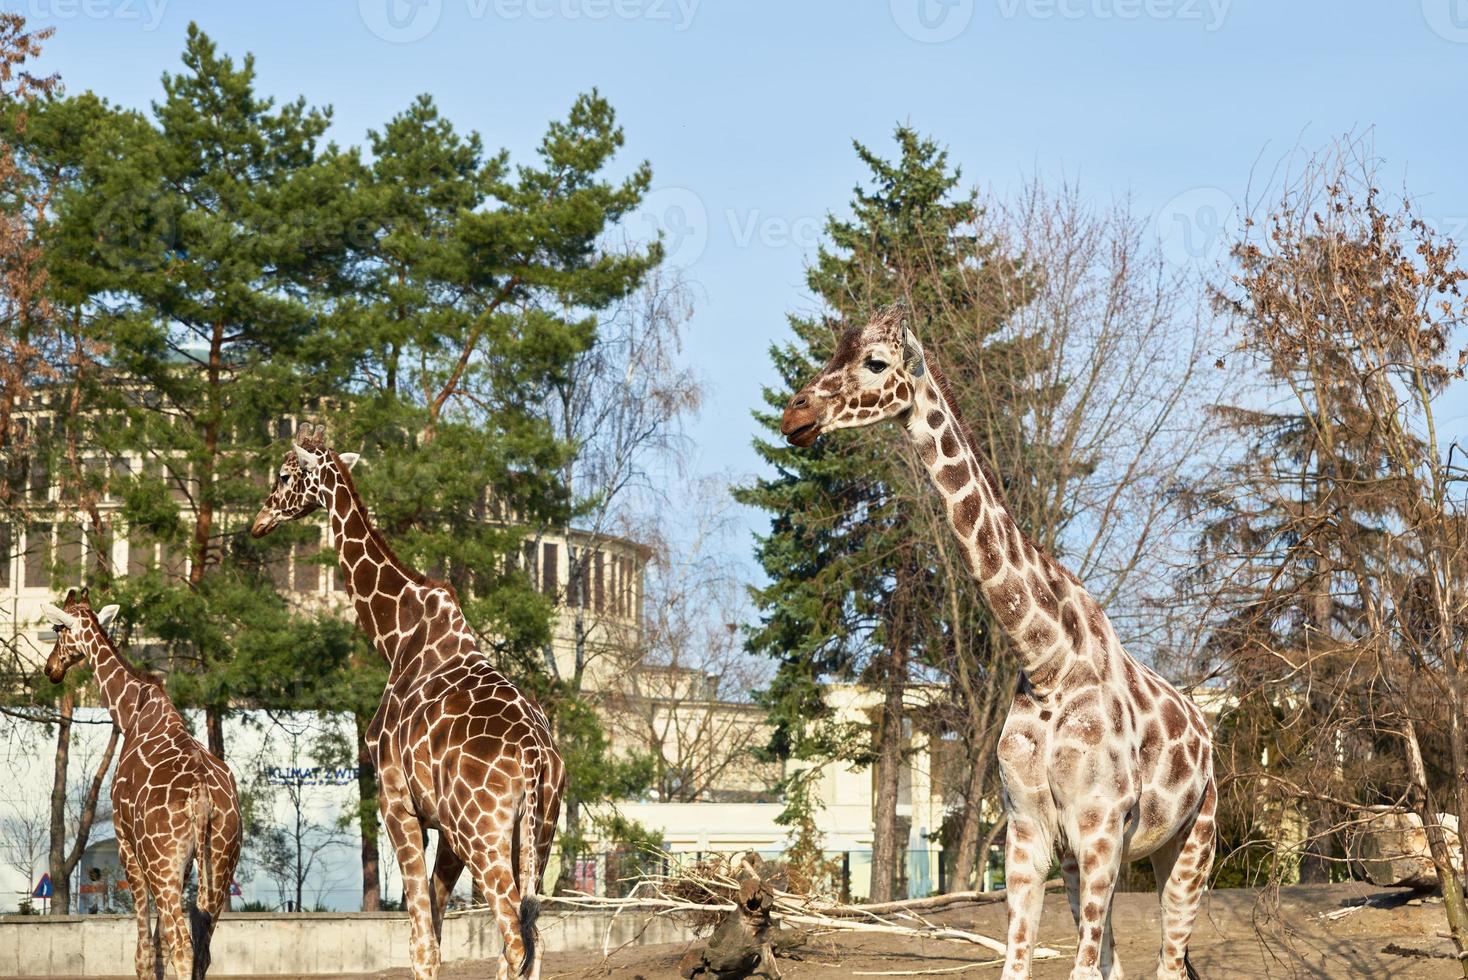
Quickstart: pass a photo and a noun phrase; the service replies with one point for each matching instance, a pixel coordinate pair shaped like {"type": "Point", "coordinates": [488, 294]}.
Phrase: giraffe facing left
{"type": "Point", "coordinates": [173, 803]}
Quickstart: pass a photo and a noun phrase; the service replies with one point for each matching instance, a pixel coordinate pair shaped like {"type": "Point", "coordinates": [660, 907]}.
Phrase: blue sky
{"type": "Point", "coordinates": [746, 111]}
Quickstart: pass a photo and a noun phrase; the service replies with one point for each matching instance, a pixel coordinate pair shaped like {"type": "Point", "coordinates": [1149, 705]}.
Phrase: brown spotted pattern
{"type": "Point", "coordinates": [173, 804]}
{"type": "Point", "coordinates": [1102, 760]}
{"type": "Point", "coordinates": [458, 748]}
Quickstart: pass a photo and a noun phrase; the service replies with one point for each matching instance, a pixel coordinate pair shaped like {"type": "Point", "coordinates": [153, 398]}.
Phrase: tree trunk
{"type": "Point", "coordinates": [367, 820]}
{"type": "Point", "coordinates": [1449, 884]}
{"type": "Point", "coordinates": [60, 876]}
{"type": "Point", "coordinates": [89, 811]}
{"type": "Point", "coordinates": [204, 515]}
{"type": "Point", "coordinates": [987, 843]}
{"type": "Point", "coordinates": [968, 835]}
{"type": "Point", "coordinates": [214, 728]}
{"type": "Point", "coordinates": [566, 880]}
{"type": "Point", "coordinates": [885, 845]}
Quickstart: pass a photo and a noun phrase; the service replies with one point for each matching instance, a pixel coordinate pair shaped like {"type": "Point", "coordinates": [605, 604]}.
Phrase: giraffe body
{"type": "Point", "coordinates": [173, 803]}
{"type": "Point", "coordinates": [1102, 760]}
{"type": "Point", "coordinates": [458, 748]}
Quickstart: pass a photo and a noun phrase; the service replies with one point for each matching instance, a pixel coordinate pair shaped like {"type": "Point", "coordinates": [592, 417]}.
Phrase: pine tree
{"type": "Point", "coordinates": [195, 246]}
{"type": "Point", "coordinates": [478, 289]}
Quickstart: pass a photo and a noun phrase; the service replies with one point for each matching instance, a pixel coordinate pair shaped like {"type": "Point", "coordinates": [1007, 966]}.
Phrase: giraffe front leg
{"type": "Point", "coordinates": [1028, 855]}
{"type": "Point", "coordinates": [406, 833]}
{"type": "Point", "coordinates": [1098, 833]}
{"type": "Point", "coordinates": [447, 867]}
{"type": "Point", "coordinates": [144, 957]}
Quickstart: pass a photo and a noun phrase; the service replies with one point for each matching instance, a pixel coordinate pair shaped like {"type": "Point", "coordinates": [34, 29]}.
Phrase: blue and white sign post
{"type": "Point", "coordinates": [44, 890]}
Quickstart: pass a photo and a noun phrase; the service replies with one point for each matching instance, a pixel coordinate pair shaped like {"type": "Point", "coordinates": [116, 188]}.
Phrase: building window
{"type": "Point", "coordinates": [550, 571]}
{"type": "Point", "coordinates": [308, 570]}
{"type": "Point", "coordinates": [6, 540]}
{"type": "Point", "coordinates": [598, 567]}
{"type": "Point", "coordinates": [37, 556]}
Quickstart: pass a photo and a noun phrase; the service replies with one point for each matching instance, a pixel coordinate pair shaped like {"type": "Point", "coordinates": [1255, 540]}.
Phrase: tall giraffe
{"type": "Point", "coordinates": [1100, 757]}
{"type": "Point", "coordinates": [173, 804]}
{"type": "Point", "coordinates": [458, 748]}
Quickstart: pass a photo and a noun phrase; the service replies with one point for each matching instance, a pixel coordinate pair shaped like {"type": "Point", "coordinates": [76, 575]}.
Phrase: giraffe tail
{"type": "Point", "coordinates": [1188, 966]}
{"type": "Point", "coordinates": [529, 880]}
{"type": "Point", "coordinates": [201, 922]}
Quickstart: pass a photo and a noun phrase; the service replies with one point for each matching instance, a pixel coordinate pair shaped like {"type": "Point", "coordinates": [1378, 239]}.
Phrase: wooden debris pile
{"type": "Point", "coordinates": [753, 919]}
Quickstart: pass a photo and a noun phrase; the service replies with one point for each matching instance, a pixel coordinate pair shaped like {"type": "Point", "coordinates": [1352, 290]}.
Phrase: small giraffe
{"type": "Point", "coordinates": [173, 803]}
{"type": "Point", "coordinates": [458, 749]}
{"type": "Point", "coordinates": [1100, 757]}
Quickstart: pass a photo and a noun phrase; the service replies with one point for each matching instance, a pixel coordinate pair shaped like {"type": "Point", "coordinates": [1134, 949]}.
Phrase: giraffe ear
{"type": "Point", "coordinates": [912, 352]}
{"type": "Point", "coordinates": [350, 459]}
{"type": "Point", "coordinates": [307, 458]}
{"type": "Point", "coordinates": [58, 617]}
{"type": "Point", "coordinates": [107, 614]}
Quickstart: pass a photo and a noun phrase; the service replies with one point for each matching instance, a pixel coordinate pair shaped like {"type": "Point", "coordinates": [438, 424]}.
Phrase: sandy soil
{"type": "Point", "coordinates": [1391, 934]}
{"type": "Point", "coordinates": [1239, 935]}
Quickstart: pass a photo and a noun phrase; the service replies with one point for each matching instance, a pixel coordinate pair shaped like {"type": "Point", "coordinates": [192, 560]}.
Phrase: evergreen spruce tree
{"type": "Point", "coordinates": [856, 592]}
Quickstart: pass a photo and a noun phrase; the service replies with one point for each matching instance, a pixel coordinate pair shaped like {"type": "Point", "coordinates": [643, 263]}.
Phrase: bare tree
{"type": "Point", "coordinates": [682, 696]}
{"type": "Point", "coordinates": [622, 406]}
{"type": "Point", "coordinates": [1332, 551]}
{"type": "Point", "coordinates": [75, 809]}
{"type": "Point", "coordinates": [25, 838]}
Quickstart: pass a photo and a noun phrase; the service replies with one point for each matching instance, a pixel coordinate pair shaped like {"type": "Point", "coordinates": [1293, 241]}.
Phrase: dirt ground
{"type": "Point", "coordinates": [1238, 935]}
{"type": "Point", "coordinates": [1389, 934]}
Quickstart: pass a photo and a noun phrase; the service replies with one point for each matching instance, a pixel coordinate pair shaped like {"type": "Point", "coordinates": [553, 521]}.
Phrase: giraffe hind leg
{"type": "Point", "coordinates": [1182, 867]}
{"type": "Point", "coordinates": [493, 866]}
{"type": "Point", "coordinates": [446, 870]}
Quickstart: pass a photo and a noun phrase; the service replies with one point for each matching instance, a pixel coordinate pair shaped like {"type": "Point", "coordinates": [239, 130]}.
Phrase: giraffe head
{"type": "Point", "coordinates": [74, 623]}
{"type": "Point", "coordinates": [872, 376]}
{"type": "Point", "coordinates": [297, 491]}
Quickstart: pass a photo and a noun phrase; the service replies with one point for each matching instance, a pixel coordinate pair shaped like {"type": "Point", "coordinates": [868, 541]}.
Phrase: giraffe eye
{"type": "Point", "coordinates": [284, 478]}
{"type": "Point", "coordinates": [875, 365]}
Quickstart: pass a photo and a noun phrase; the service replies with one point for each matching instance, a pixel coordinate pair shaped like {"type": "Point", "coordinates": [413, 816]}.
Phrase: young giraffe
{"type": "Point", "coordinates": [1099, 756]}
{"type": "Point", "coordinates": [457, 748]}
{"type": "Point", "coordinates": [172, 802]}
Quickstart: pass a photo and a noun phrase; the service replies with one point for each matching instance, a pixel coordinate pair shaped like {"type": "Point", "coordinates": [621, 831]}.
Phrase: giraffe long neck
{"type": "Point", "coordinates": [378, 582]}
{"type": "Point", "coordinates": [120, 686]}
{"type": "Point", "coordinates": [1039, 606]}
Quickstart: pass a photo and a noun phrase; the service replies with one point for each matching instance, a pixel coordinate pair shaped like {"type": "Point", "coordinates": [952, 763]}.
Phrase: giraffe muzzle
{"type": "Point", "coordinates": [801, 424]}
{"type": "Point", "coordinates": [264, 523]}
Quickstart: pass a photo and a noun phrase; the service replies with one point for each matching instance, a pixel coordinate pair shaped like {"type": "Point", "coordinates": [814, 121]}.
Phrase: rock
{"type": "Point", "coordinates": [1391, 850]}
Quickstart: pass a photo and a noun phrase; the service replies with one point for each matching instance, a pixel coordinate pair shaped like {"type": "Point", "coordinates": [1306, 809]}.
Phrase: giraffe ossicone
{"type": "Point", "coordinates": [173, 803]}
{"type": "Point", "coordinates": [1101, 759]}
{"type": "Point", "coordinates": [457, 747]}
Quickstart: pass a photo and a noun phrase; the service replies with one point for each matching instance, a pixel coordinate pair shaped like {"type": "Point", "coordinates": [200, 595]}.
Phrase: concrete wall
{"type": "Point", "coordinates": [266, 944]}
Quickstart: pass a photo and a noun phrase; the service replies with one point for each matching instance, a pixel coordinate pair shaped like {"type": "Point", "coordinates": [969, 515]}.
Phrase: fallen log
{"type": "Point", "coordinates": [932, 903]}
